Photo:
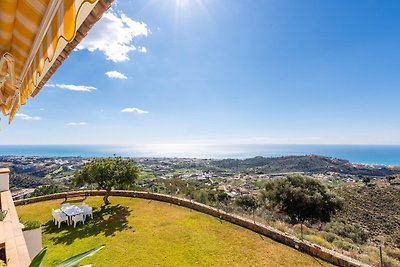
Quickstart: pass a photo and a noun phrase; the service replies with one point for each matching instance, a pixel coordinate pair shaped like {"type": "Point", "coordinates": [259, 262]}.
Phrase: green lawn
{"type": "Point", "coordinates": [140, 232]}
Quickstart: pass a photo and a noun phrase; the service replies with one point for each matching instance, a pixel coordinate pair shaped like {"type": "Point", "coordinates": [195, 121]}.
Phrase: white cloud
{"type": "Point", "coordinates": [116, 75]}
{"type": "Point", "coordinates": [77, 123]}
{"type": "Point", "coordinates": [72, 87]}
{"type": "Point", "coordinates": [134, 110]}
{"type": "Point", "coordinates": [27, 117]}
{"type": "Point", "coordinates": [113, 35]}
{"type": "Point", "coordinates": [142, 49]}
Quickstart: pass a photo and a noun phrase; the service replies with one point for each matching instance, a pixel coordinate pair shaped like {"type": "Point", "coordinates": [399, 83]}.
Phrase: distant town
{"type": "Point", "coordinates": [184, 175]}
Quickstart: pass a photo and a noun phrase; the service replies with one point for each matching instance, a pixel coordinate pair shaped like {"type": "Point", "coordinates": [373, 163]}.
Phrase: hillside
{"type": "Point", "coordinates": [376, 207]}
{"type": "Point", "coordinates": [307, 164]}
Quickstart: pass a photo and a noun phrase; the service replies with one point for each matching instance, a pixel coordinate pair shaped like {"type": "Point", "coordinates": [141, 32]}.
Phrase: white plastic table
{"type": "Point", "coordinates": [71, 210]}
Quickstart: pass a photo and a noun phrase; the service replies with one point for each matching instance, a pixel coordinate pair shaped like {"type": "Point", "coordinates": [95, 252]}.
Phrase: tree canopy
{"type": "Point", "coordinates": [48, 190]}
{"type": "Point", "coordinates": [108, 173]}
{"type": "Point", "coordinates": [366, 180]}
{"type": "Point", "coordinates": [302, 198]}
{"type": "Point", "coordinates": [248, 203]}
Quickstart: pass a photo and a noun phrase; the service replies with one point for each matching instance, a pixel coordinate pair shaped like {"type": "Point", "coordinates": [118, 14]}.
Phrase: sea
{"type": "Point", "coordinates": [366, 154]}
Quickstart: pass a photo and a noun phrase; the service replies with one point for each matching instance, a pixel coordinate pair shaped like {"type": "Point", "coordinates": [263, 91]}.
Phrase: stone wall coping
{"type": "Point", "coordinates": [260, 228]}
{"type": "Point", "coordinates": [4, 170]}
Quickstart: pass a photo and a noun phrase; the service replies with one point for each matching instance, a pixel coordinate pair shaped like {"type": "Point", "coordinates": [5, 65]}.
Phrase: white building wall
{"type": "Point", "coordinates": [4, 179]}
{"type": "Point", "coordinates": [33, 240]}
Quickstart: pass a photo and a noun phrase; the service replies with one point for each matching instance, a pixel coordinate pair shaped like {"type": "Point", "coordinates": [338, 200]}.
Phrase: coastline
{"type": "Point", "coordinates": [367, 155]}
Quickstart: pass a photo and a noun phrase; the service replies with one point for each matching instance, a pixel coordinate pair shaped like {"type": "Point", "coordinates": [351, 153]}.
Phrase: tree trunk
{"type": "Point", "coordinates": [301, 230]}
{"type": "Point", "coordinates": [105, 198]}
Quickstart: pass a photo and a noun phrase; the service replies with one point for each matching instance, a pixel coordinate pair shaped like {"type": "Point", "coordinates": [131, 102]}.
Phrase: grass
{"type": "Point", "coordinates": [140, 232]}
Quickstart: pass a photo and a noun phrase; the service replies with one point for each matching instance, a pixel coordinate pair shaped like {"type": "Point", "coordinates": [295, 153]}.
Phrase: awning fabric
{"type": "Point", "coordinates": [34, 34]}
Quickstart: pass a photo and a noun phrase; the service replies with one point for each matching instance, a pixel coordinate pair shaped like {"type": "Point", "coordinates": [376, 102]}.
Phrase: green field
{"type": "Point", "coordinates": [140, 232]}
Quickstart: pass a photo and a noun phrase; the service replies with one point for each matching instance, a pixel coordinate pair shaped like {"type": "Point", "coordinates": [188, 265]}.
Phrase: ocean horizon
{"type": "Point", "coordinates": [365, 154]}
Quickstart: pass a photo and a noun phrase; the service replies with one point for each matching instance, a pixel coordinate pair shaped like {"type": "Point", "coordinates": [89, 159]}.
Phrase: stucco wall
{"type": "Point", "coordinates": [33, 240]}
{"type": "Point", "coordinates": [303, 246]}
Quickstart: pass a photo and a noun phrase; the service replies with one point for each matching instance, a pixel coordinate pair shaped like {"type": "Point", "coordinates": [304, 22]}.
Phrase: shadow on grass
{"type": "Point", "coordinates": [107, 220]}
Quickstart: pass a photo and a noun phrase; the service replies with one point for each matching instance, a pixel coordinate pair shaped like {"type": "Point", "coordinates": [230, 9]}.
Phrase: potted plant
{"type": "Point", "coordinates": [33, 236]}
{"type": "Point", "coordinates": [3, 214]}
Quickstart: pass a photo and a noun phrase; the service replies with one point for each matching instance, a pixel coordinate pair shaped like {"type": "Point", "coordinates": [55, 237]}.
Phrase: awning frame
{"type": "Point", "coordinates": [40, 64]}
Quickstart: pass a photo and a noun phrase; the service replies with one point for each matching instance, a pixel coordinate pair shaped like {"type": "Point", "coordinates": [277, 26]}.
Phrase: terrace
{"type": "Point", "coordinates": [151, 233]}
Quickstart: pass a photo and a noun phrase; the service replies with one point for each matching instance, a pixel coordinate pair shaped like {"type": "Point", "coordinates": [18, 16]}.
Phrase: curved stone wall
{"type": "Point", "coordinates": [303, 246]}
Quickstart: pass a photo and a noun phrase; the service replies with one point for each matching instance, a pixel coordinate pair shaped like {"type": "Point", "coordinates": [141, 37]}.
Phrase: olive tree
{"type": "Point", "coordinates": [390, 178]}
{"type": "Point", "coordinates": [107, 173]}
{"type": "Point", "coordinates": [366, 180]}
{"type": "Point", "coordinates": [248, 203]}
{"type": "Point", "coordinates": [302, 198]}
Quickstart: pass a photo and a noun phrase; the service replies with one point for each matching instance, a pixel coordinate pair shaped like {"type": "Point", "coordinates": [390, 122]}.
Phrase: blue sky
{"type": "Point", "coordinates": [225, 71]}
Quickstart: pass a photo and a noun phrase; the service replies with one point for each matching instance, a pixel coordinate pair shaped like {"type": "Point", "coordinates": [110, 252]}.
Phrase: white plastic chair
{"type": "Point", "coordinates": [78, 218]}
{"type": "Point", "coordinates": [87, 211]}
{"type": "Point", "coordinates": [59, 217]}
{"type": "Point", "coordinates": [65, 205]}
{"type": "Point", "coordinates": [54, 214]}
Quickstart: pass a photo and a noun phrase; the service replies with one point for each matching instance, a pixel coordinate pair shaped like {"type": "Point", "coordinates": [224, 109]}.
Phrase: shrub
{"type": "Point", "coordinates": [389, 261]}
{"type": "Point", "coordinates": [341, 244]}
{"type": "Point", "coordinates": [366, 180]}
{"type": "Point", "coordinates": [30, 225]}
{"type": "Point", "coordinates": [248, 202]}
{"type": "Point", "coordinates": [330, 237]}
{"type": "Point", "coordinates": [302, 198]}
{"type": "Point", "coordinates": [201, 196]}
{"type": "Point", "coordinates": [318, 240]}
{"type": "Point", "coordinates": [3, 214]}
{"type": "Point", "coordinates": [281, 226]}
{"type": "Point", "coordinates": [47, 190]}
{"type": "Point", "coordinates": [353, 231]}
{"type": "Point", "coordinates": [306, 230]}
{"type": "Point", "coordinates": [393, 253]}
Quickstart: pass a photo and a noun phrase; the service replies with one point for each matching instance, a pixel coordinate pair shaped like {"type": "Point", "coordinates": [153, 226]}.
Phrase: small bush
{"type": "Point", "coordinates": [281, 226]}
{"type": "Point", "coordinates": [30, 225]}
{"type": "Point", "coordinates": [306, 230]}
{"type": "Point", "coordinates": [318, 240]}
{"type": "Point", "coordinates": [330, 237]}
{"type": "Point", "coordinates": [201, 196]}
{"type": "Point", "coordinates": [3, 214]}
{"type": "Point", "coordinates": [341, 244]}
{"type": "Point", "coordinates": [365, 258]}
{"type": "Point", "coordinates": [353, 231]}
{"type": "Point", "coordinates": [393, 252]}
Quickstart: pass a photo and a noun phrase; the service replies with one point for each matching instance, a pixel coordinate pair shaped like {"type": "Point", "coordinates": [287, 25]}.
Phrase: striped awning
{"type": "Point", "coordinates": [35, 37]}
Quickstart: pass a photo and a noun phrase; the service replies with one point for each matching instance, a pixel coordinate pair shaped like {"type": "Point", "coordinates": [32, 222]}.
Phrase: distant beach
{"type": "Point", "coordinates": [367, 154]}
